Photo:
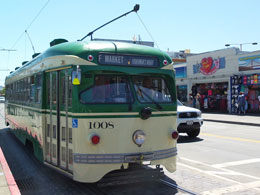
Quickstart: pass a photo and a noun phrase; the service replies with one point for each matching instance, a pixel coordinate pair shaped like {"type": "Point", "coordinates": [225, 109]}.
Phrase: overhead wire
{"type": "Point", "coordinates": [33, 20]}
{"type": "Point", "coordinates": [147, 31]}
{"type": "Point", "coordinates": [150, 35]}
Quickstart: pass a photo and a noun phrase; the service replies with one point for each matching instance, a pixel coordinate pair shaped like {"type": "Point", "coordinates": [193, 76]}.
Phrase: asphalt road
{"type": "Point", "coordinates": [224, 159]}
{"type": "Point", "coordinates": [32, 177]}
{"type": "Point", "coordinates": [222, 151]}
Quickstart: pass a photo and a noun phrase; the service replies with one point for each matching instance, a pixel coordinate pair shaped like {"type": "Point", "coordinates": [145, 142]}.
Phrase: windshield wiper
{"type": "Point", "coordinates": [159, 107]}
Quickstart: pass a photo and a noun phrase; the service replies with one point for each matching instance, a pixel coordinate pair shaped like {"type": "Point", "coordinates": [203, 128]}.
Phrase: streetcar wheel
{"type": "Point", "coordinates": [194, 133]}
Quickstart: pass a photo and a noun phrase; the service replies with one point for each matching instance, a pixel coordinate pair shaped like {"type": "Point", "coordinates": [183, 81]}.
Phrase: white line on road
{"type": "Point", "coordinates": [234, 163]}
{"type": "Point", "coordinates": [234, 188]}
{"type": "Point", "coordinates": [221, 169]}
{"type": "Point", "coordinates": [208, 173]}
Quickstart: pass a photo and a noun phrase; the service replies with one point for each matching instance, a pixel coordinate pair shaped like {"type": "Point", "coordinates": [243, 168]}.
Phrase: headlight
{"type": "Point", "coordinates": [139, 137]}
{"type": "Point", "coordinates": [199, 114]}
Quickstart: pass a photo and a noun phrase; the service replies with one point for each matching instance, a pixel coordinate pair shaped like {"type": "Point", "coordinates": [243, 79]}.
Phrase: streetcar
{"type": "Point", "coordinates": [91, 107]}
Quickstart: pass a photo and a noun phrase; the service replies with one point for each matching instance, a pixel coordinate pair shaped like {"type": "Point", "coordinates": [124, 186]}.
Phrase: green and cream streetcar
{"type": "Point", "coordinates": [88, 108]}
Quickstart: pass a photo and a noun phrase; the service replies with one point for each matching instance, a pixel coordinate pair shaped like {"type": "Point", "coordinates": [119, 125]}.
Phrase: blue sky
{"type": "Point", "coordinates": [198, 25]}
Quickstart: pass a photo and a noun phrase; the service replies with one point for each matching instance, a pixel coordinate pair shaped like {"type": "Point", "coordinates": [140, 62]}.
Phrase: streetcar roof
{"type": "Point", "coordinates": [82, 49]}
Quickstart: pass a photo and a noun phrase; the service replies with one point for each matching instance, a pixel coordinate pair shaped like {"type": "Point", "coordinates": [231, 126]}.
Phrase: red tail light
{"type": "Point", "coordinates": [95, 139]}
{"type": "Point", "coordinates": [175, 135]}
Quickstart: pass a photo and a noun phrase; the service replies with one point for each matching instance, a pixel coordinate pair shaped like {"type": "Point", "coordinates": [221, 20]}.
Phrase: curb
{"type": "Point", "coordinates": [14, 190]}
{"type": "Point", "coordinates": [232, 122]}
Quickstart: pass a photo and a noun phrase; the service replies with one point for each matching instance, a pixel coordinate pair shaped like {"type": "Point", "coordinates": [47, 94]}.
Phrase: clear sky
{"type": "Point", "coordinates": [198, 25]}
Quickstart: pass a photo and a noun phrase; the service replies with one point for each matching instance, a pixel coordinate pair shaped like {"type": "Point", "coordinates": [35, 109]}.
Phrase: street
{"type": "Point", "coordinates": [226, 153]}
{"type": "Point", "coordinates": [223, 159]}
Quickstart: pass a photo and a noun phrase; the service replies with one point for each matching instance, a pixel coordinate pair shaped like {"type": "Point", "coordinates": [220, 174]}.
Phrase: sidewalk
{"type": "Point", "coordinates": [7, 182]}
{"type": "Point", "coordinates": [232, 118]}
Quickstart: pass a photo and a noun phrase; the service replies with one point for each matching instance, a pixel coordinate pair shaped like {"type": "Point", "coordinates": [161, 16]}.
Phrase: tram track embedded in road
{"type": "Point", "coordinates": [175, 186]}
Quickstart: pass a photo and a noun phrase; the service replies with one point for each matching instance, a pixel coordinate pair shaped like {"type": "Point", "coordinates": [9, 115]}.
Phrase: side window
{"type": "Point", "coordinates": [108, 89]}
{"type": "Point", "coordinates": [38, 84]}
{"type": "Point", "coordinates": [32, 89]}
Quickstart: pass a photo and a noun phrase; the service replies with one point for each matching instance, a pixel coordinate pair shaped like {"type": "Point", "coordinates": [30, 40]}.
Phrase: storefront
{"type": "Point", "coordinates": [212, 96]}
{"type": "Point", "coordinates": [216, 78]}
{"type": "Point", "coordinates": [247, 81]}
{"type": "Point", "coordinates": [208, 76]}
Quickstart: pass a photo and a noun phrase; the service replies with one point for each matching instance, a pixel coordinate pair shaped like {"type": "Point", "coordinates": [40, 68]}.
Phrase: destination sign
{"type": "Point", "coordinates": [127, 60]}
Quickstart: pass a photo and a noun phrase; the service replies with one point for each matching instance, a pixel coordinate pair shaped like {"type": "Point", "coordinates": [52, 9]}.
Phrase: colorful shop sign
{"type": "Point", "coordinates": [209, 66]}
{"type": "Point", "coordinates": [253, 79]}
{"type": "Point", "coordinates": [249, 63]}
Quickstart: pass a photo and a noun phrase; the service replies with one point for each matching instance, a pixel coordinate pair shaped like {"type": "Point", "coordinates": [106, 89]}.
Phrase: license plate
{"type": "Point", "coordinates": [189, 122]}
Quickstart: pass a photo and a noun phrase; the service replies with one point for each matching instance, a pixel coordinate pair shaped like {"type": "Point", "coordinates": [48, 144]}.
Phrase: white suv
{"type": "Point", "coordinates": [188, 120]}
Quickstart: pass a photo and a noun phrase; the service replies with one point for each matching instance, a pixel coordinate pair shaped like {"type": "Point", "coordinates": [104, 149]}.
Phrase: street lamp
{"type": "Point", "coordinates": [240, 44]}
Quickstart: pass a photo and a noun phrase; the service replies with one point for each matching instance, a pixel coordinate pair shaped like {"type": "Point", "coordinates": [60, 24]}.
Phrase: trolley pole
{"type": "Point", "coordinates": [135, 9]}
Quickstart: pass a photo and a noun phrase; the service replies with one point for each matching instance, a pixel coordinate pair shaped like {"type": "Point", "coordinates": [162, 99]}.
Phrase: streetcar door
{"type": "Point", "coordinates": [65, 103]}
{"type": "Point", "coordinates": [52, 118]}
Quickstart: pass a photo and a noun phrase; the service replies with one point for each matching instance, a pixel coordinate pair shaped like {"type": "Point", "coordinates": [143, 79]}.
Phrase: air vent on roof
{"type": "Point", "coordinates": [11, 72]}
{"type": "Point", "coordinates": [58, 41]}
{"type": "Point", "coordinates": [36, 54]}
{"type": "Point", "coordinates": [17, 67]}
{"type": "Point", "coordinates": [24, 62]}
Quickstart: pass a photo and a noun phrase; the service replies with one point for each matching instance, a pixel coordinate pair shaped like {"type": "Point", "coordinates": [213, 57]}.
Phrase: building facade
{"type": "Point", "coordinates": [216, 78]}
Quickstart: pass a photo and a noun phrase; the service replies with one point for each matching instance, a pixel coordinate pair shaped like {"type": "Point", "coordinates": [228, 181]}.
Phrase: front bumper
{"type": "Point", "coordinates": [124, 158]}
{"type": "Point", "coordinates": [185, 125]}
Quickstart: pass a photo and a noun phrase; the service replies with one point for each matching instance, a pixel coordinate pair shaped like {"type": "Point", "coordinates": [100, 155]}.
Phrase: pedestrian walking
{"type": "Point", "coordinates": [241, 103]}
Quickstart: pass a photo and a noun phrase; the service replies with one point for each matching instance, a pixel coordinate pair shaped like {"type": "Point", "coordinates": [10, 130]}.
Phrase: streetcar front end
{"type": "Point", "coordinates": [123, 113]}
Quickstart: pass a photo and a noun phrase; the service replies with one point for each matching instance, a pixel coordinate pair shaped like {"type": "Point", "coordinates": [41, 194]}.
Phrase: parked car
{"type": "Point", "coordinates": [2, 99]}
{"type": "Point", "coordinates": [189, 120]}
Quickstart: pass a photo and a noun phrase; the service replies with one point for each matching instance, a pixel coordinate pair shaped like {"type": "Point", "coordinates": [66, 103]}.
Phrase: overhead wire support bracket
{"type": "Point", "coordinates": [7, 49]}
{"type": "Point", "coordinates": [135, 9]}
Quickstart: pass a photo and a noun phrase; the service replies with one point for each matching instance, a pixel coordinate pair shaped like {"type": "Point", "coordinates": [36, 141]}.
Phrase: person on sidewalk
{"type": "Point", "coordinates": [241, 103]}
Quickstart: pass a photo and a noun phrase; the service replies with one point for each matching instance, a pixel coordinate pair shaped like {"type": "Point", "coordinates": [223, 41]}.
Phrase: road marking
{"type": "Point", "coordinates": [208, 173]}
{"type": "Point", "coordinates": [232, 138]}
{"type": "Point", "coordinates": [234, 188]}
{"type": "Point", "coordinates": [241, 162]}
{"type": "Point", "coordinates": [221, 170]}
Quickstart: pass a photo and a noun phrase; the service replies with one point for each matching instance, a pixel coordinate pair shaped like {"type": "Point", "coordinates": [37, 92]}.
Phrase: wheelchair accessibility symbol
{"type": "Point", "coordinates": [74, 123]}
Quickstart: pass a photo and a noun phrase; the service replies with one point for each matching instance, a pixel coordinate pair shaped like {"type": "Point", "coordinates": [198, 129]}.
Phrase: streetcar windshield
{"type": "Point", "coordinates": [151, 89]}
{"type": "Point", "coordinates": [108, 89]}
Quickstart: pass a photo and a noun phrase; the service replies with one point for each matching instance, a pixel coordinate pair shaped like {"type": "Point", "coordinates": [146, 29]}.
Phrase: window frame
{"type": "Point", "coordinates": [128, 79]}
